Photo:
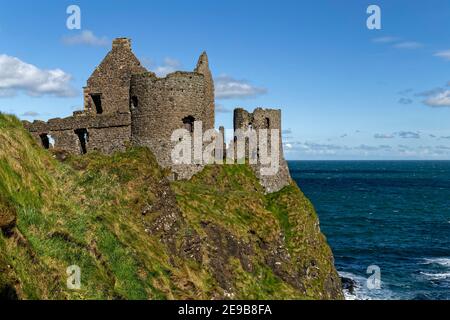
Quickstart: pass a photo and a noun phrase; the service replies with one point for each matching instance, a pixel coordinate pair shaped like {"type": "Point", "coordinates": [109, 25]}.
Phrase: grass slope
{"type": "Point", "coordinates": [136, 236]}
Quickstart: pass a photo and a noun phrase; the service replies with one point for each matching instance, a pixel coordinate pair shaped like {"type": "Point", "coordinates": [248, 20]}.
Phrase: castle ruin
{"type": "Point", "coordinates": [125, 104]}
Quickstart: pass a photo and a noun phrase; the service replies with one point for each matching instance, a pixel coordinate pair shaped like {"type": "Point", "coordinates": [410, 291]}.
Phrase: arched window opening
{"type": "Point", "coordinates": [134, 102]}
{"type": "Point", "coordinates": [83, 137]}
{"type": "Point", "coordinates": [97, 99]}
{"type": "Point", "coordinates": [188, 123]}
{"type": "Point", "coordinates": [267, 122]}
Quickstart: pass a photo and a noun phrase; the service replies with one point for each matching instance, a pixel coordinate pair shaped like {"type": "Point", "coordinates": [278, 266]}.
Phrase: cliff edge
{"type": "Point", "coordinates": [135, 235]}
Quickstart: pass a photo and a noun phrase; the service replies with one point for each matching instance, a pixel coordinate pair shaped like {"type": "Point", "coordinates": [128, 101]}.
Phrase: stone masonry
{"type": "Point", "coordinates": [264, 119]}
{"type": "Point", "coordinates": [125, 104]}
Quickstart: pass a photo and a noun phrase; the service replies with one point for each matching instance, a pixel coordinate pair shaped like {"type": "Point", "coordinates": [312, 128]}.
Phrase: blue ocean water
{"type": "Point", "coordinates": [392, 214]}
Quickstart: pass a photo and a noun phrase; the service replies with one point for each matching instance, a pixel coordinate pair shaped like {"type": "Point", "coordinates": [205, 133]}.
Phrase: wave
{"type": "Point", "coordinates": [445, 262]}
{"type": "Point", "coordinates": [360, 290]}
{"type": "Point", "coordinates": [436, 276]}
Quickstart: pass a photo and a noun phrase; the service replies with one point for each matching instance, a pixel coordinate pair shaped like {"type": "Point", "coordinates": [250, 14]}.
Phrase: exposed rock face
{"type": "Point", "coordinates": [135, 235]}
{"type": "Point", "coordinates": [7, 215]}
{"type": "Point", "coordinates": [348, 284]}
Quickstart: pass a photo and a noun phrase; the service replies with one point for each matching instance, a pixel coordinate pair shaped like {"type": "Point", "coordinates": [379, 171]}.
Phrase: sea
{"type": "Point", "coordinates": [387, 222]}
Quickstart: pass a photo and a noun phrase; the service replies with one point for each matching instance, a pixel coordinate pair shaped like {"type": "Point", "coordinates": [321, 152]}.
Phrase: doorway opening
{"type": "Point", "coordinates": [45, 140]}
{"type": "Point", "coordinates": [83, 137]}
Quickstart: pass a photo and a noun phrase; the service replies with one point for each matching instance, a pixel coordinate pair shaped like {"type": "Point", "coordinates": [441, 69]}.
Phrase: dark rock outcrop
{"type": "Point", "coordinates": [7, 216]}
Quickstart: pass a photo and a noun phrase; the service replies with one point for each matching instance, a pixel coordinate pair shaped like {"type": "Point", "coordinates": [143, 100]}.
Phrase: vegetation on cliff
{"type": "Point", "coordinates": [134, 235]}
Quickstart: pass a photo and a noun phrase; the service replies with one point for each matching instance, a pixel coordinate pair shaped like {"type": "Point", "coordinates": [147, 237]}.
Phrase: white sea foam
{"type": "Point", "coordinates": [436, 276]}
{"type": "Point", "coordinates": [445, 262]}
{"type": "Point", "coordinates": [361, 292]}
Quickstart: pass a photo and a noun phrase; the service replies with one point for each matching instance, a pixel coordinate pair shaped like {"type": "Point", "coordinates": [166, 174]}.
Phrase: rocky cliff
{"type": "Point", "coordinates": [134, 235]}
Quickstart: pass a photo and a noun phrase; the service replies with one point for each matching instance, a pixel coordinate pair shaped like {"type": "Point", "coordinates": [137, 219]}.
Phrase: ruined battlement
{"type": "Point", "coordinates": [121, 43]}
{"type": "Point", "coordinates": [260, 118]}
{"type": "Point", "coordinates": [125, 104]}
{"type": "Point", "coordinates": [86, 121]}
{"type": "Point", "coordinates": [270, 120]}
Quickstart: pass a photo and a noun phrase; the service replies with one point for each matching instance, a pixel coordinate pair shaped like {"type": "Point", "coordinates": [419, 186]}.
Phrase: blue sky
{"type": "Point", "coordinates": [346, 92]}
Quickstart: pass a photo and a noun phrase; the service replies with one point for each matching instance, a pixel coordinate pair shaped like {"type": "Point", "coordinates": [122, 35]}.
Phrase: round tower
{"type": "Point", "coordinates": [159, 106]}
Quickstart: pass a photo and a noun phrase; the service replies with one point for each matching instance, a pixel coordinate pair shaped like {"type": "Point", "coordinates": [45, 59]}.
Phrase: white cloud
{"type": "Point", "coordinates": [230, 88]}
{"type": "Point", "coordinates": [430, 92]}
{"type": "Point", "coordinates": [405, 91]}
{"type": "Point", "coordinates": [30, 114]}
{"type": "Point", "coordinates": [366, 151]}
{"type": "Point", "coordinates": [444, 54]}
{"type": "Point", "coordinates": [365, 147]}
{"type": "Point", "coordinates": [424, 151]}
{"type": "Point", "coordinates": [401, 134]}
{"type": "Point", "coordinates": [313, 148]}
{"type": "Point", "coordinates": [408, 45]}
{"type": "Point", "coordinates": [408, 135]}
{"type": "Point", "coordinates": [169, 65]}
{"type": "Point", "coordinates": [383, 136]}
{"type": "Point", "coordinates": [438, 99]}
{"type": "Point", "coordinates": [385, 39]}
{"type": "Point", "coordinates": [86, 37]}
{"type": "Point", "coordinates": [16, 75]}
{"type": "Point", "coordinates": [405, 101]}
{"type": "Point", "coordinates": [222, 109]}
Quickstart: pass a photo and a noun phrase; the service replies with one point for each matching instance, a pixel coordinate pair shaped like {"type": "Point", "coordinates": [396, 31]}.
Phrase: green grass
{"type": "Point", "coordinates": [211, 237]}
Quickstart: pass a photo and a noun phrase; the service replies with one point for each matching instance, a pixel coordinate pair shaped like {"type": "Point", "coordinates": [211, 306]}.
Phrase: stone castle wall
{"type": "Point", "coordinates": [126, 104]}
{"type": "Point", "coordinates": [111, 80]}
{"type": "Point", "coordinates": [265, 119]}
{"type": "Point", "coordinates": [159, 106]}
{"type": "Point", "coordinates": [209, 100]}
{"type": "Point", "coordinates": [104, 133]}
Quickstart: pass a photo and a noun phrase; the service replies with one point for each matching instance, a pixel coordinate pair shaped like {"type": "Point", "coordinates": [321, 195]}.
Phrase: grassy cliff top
{"type": "Point", "coordinates": [136, 236]}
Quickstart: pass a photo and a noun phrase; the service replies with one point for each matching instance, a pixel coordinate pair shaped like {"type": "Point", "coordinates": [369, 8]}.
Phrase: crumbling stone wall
{"type": "Point", "coordinates": [209, 104]}
{"type": "Point", "coordinates": [159, 106]}
{"type": "Point", "coordinates": [125, 104]}
{"type": "Point", "coordinates": [111, 80]}
{"type": "Point", "coordinates": [105, 133]}
{"type": "Point", "coordinates": [265, 119]}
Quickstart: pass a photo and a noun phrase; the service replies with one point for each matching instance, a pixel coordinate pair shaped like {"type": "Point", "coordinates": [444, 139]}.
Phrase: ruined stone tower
{"type": "Point", "coordinates": [125, 104]}
{"type": "Point", "coordinates": [265, 119]}
{"type": "Point", "coordinates": [159, 106]}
